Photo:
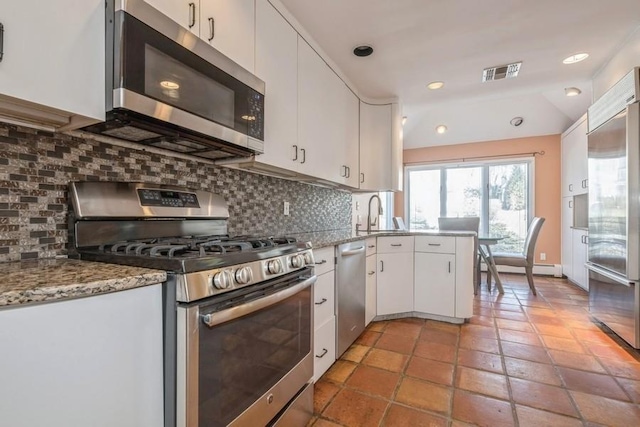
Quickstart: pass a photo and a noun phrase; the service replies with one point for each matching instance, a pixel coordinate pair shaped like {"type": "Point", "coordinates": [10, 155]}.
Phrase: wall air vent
{"type": "Point", "coordinates": [501, 72]}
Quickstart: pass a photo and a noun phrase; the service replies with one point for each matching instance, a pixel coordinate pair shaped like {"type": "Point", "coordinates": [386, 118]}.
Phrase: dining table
{"type": "Point", "coordinates": [484, 248]}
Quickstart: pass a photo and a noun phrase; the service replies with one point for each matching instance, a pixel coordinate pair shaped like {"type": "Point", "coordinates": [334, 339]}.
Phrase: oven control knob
{"type": "Point", "coordinates": [297, 261]}
{"type": "Point", "coordinates": [222, 280]}
{"type": "Point", "coordinates": [308, 258]}
{"type": "Point", "coordinates": [274, 266]}
{"type": "Point", "coordinates": [244, 275]}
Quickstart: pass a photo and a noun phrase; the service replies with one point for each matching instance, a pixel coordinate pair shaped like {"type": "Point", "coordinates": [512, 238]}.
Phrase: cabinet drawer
{"type": "Point", "coordinates": [388, 245]}
{"type": "Point", "coordinates": [436, 244]}
{"type": "Point", "coordinates": [324, 258]}
{"type": "Point", "coordinates": [324, 299]}
{"type": "Point", "coordinates": [371, 245]}
{"type": "Point", "coordinates": [324, 348]}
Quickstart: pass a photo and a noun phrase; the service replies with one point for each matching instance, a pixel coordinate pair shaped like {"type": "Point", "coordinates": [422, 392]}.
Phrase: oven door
{"type": "Point", "coordinates": [244, 355]}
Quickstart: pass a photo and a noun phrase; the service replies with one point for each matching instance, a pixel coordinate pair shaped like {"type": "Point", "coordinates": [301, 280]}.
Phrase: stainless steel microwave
{"type": "Point", "coordinates": [167, 88]}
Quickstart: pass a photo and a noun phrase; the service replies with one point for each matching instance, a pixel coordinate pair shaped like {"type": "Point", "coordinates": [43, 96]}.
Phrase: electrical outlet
{"type": "Point", "coordinates": [543, 256]}
{"type": "Point", "coordinates": [286, 208]}
{"type": "Point", "coordinates": [357, 205]}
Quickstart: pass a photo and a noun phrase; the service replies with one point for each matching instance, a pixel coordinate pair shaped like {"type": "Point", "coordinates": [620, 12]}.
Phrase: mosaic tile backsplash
{"type": "Point", "coordinates": [36, 166]}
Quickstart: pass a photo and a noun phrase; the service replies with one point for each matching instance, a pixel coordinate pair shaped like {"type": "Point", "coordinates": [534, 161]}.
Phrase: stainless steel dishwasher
{"type": "Point", "coordinates": [350, 298]}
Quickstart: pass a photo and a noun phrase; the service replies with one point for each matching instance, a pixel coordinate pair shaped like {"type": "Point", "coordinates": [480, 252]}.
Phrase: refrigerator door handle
{"type": "Point", "coordinates": [609, 275]}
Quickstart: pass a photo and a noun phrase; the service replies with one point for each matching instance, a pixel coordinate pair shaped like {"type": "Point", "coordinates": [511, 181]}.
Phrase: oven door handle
{"type": "Point", "coordinates": [223, 316]}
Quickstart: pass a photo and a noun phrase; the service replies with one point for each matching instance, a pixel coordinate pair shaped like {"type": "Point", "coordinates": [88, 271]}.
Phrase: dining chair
{"type": "Point", "coordinates": [523, 259]}
{"type": "Point", "coordinates": [468, 223]}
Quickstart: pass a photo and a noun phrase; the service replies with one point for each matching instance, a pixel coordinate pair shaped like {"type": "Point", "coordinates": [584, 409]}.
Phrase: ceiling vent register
{"type": "Point", "coordinates": [501, 72]}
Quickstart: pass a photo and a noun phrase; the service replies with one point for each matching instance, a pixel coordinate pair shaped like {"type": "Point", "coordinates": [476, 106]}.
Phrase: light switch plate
{"type": "Point", "coordinates": [286, 208]}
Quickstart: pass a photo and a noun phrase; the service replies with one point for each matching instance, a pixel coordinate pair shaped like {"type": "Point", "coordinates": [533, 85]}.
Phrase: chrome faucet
{"type": "Point", "coordinates": [375, 219]}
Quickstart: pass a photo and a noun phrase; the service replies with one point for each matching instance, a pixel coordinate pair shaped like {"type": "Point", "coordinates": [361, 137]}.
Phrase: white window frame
{"type": "Point", "coordinates": [484, 226]}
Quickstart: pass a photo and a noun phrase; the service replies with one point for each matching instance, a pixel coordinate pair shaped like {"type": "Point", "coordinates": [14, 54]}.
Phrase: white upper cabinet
{"type": "Point", "coordinates": [277, 65]}
{"type": "Point", "coordinates": [328, 117]}
{"type": "Point", "coordinates": [574, 159]}
{"type": "Point", "coordinates": [380, 147]}
{"type": "Point", "coordinates": [228, 25]}
{"type": "Point", "coordinates": [184, 12]}
{"type": "Point", "coordinates": [375, 146]}
{"type": "Point", "coordinates": [53, 64]}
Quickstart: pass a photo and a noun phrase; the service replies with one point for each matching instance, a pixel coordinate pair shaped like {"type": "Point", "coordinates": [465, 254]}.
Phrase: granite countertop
{"type": "Point", "coordinates": [44, 280]}
{"type": "Point", "coordinates": [321, 239]}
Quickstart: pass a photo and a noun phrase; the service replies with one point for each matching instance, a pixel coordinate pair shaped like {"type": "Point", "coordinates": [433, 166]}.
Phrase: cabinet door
{"type": "Point", "coordinates": [347, 125]}
{"type": "Point", "coordinates": [580, 276]}
{"type": "Point", "coordinates": [375, 147]}
{"type": "Point", "coordinates": [567, 236]}
{"type": "Point", "coordinates": [184, 12]}
{"type": "Point", "coordinates": [324, 348]}
{"type": "Point", "coordinates": [435, 283]}
{"type": "Point", "coordinates": [228, 25]}
{"type": "Point", "coordinates": [93, 361]}
{"type": "Point", "coordinates": [371, 291]}
{"type": "Point", "coordinates": [574, 159]}
{"type": "Point", "coordinates": [277, 65]}
{"type": "Point", "coordinates": [53, 55]}
{"type": "Point", "coordinates": [394, 283]}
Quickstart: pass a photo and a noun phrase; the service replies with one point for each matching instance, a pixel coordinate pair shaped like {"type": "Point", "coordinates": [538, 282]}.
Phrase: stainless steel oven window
{"type": "Point", "coordinates": [236, 362]}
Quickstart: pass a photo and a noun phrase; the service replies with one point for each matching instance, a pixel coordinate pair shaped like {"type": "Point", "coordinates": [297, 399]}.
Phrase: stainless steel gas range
{"type": "Point", "coordinates": [238, 312]}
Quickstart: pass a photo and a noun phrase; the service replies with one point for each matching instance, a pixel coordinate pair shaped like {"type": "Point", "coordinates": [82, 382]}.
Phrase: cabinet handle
{"type": "Point", "coordinates": [585, 183]}
{"type": "Point", "coordinates": [586, 240]}
{"type": "Point", "coordinates": [304, 155]}
{"type": "Point", "coordinates": [348, 171]}
{"type": "Point", "coordinates": [324, 351]}
{"type": "Point", "coordinates": [1, 41]}
{"type": "Point", "coordinates": [571, 204]}
{"type": "Point", "coordinates": [371, 273]}
{"type": "Point", "coordinates": [212, 28]}
{"type": "Point", "coordinates": [435, 244]}
{"type": "Point", "coordinates": [192, 15]}
{"type": "Point", "coordinates": [570, 187]}
{"type": "Point", "coordinates": [321, 302]}
{"type": "Point", "coordinates": [344, 171]}
{"type": "Point", "coordinates": [371, 246]}
{"type": "Point", "coordinates": [324, 261]}
{"type": "Point", "coordinates": [449, 266]}
{"type": "Point", "coordinates": [396, 244]}
{"type": "Point", "coordinates": [295, 155]}
{"type": "Point", "coordinates": [361, 177]}
{"type": "Point", "coordinates": [381, 266]}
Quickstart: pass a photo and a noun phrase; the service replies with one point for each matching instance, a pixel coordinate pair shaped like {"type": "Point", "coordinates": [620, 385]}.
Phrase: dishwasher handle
{"type": "Point", "coordinates": [350, 252]}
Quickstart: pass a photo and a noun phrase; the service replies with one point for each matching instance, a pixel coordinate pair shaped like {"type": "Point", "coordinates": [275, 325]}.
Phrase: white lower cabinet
{"type": "Point", "coordinates": [371, 301]}
{"type": "Point", "coordinates": [435, 283]}
{"type": "Point", "coordinates": [324, 348]}
{"type": "Point", "coordinates": [394, 282]}
{"type": "Point", "coordinates": [94, 361]}
{"type": "Point", "coordinates": [324, 319]}
{"type": "Point", "coordinates": [579, 273]}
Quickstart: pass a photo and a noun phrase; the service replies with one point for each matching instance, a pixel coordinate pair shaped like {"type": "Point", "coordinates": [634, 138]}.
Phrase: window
{"type": "Point", "coordinates": [500, 193]}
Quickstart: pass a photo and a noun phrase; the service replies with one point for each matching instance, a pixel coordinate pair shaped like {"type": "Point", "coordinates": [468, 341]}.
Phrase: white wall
{"type": "Point", "coordinates": [627, 57]}
{"type": "Point", "coordinates": [359, 206]}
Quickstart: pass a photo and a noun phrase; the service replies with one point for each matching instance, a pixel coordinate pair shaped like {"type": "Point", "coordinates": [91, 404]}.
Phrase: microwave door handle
{"type": "Point", "coordinates": [223, 316]}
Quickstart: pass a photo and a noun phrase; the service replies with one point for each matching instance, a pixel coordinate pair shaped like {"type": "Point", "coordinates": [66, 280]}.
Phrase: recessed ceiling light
{"type": "Point", "coordinates": [435, 85]}
{"type": "Point", "coordinates": [404, 120]}
{"type": "Point", "coordinates": [441, 129]}
{"type": "Point", "coordinates": [168, 84]}
{"type": "Point", "coordinates": [572, 91]}
{"type": "Point", "coordinates": [516, 121]}
{"type": "Point", "coordinates": [364, 50]}
{"type": "Point", "coordinates": [575, 58]}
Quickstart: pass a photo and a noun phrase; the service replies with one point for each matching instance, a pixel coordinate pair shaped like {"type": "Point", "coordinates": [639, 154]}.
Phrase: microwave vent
{"type": "Point", "coordinates": [501, 72]}
{"type": "Point", "coordinates": [131, 133]}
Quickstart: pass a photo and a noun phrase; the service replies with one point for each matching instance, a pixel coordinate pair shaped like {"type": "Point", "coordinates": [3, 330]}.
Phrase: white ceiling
{"type": "Point", "coordinates": [419, 41]}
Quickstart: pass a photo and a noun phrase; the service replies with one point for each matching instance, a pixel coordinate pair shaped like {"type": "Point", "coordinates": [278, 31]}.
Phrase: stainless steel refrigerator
{"type": "Point", "coordinates": [614, 209]}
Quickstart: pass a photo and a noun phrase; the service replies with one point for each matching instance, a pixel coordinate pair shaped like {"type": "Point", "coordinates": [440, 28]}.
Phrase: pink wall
{"type": "Point", "coordinates": [546, 182]}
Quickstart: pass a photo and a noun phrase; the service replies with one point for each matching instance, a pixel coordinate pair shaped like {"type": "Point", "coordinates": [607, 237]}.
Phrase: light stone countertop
{"type": "Point", "coordinates": [33, 281]}
{"type": "Point", "coordinates": [321, 239]}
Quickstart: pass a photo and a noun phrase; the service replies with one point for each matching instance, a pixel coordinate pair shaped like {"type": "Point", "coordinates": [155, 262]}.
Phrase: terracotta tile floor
{"type": "Point", "coordinates": [522, 360]}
